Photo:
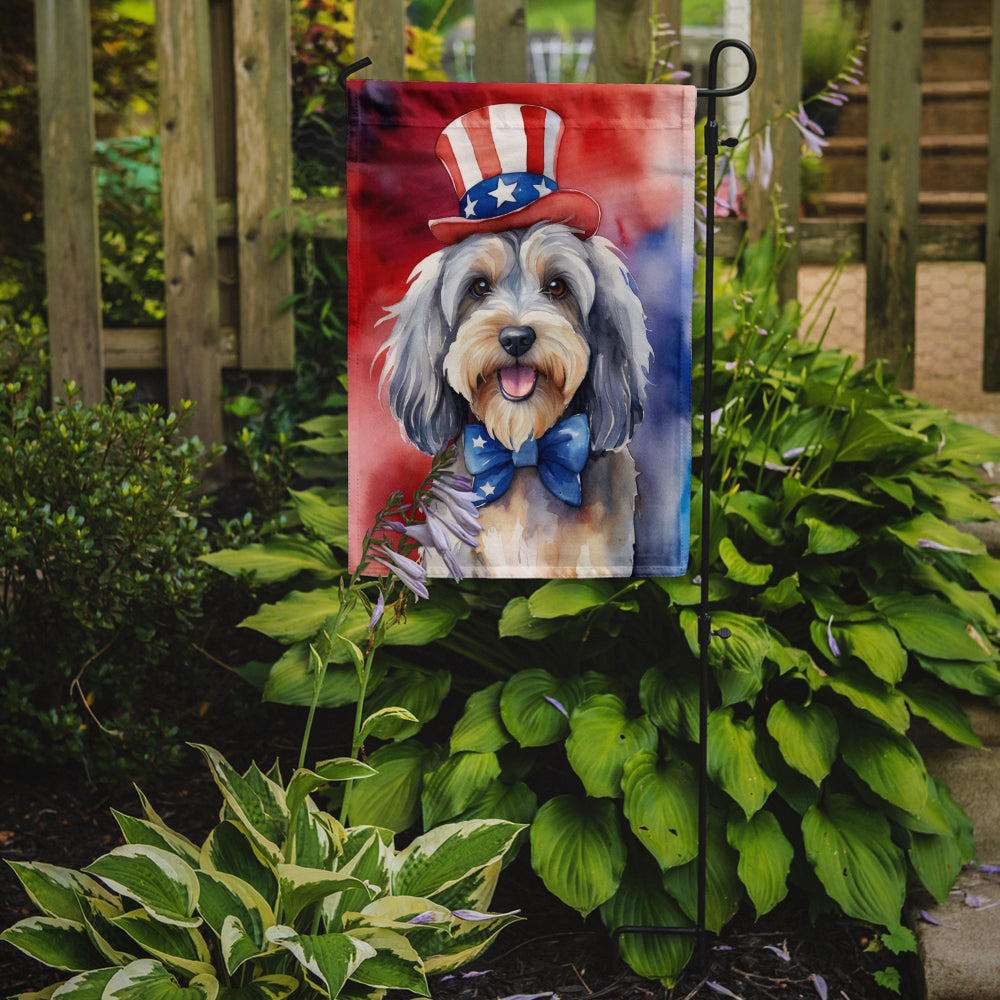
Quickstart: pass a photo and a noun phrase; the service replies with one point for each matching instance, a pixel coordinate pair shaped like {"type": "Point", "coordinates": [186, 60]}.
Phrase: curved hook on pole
{"type": "Point", "coordinates": [712, 90]}
{"type": "Point", "coordinates": [353, 68]}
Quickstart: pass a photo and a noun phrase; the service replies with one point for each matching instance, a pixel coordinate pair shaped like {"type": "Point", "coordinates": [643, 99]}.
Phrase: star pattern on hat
{"type": "Point", "coordinates": [504, 192]}
{"type": "Point", "coordinates": [543, 189]}
{"type": "Point", "coordinates": [470, 207]}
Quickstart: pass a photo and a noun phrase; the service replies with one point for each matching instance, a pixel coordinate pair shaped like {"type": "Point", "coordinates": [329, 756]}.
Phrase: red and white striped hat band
{"type": "Point", "coordinates": [502, 161]}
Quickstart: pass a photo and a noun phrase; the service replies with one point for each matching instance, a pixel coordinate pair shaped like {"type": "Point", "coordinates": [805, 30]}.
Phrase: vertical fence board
{"type": "Point", "coordinates": [776, 35]}
{"type": "Point", "coordinates": [991, 332]}
{"type": "Point", "coordinates": [893, 184]}
{"type": "Point", "coordinates": [72, 257]}
{"type": "Point", "coordinates": [380, 34]}
{"type": "Point", "coordinates": [190, 254]}
{"type": "Point", "coordinates": [262, 61]}
{"type": "Point", "coordinates": [501, 41]}
{"type": "Point", "coordinates": [621, 40]}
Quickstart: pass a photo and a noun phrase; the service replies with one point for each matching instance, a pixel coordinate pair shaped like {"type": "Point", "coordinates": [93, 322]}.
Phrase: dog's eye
{"type": "Point", "coordinates": [480, 287]}
{"type": "Point", "coordinates": [557, 288]}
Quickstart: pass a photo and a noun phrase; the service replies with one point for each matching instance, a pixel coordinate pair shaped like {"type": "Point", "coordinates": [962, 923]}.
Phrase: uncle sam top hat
{"type": "Point", "coordinates": [502, 161]}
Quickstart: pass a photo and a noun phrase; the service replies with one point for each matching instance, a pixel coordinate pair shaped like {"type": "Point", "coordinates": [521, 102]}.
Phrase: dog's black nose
{"type": "Point", "coordinates": [516, 340]}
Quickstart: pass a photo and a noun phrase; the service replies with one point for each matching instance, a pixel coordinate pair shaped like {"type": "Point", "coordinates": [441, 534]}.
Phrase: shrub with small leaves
{"type": "Point", "coordinates": [100, 579]}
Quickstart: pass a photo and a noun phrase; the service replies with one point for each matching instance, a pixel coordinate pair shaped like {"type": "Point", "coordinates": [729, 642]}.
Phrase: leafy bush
{"type": "Point", "coordinates": [99, 542]}
{"type": "Point", "coordinates": [279, 899]}
{"type": "Point", "coordinates": [855, 604]}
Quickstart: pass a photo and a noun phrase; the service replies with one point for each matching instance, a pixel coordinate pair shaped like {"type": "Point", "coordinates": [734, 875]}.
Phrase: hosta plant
{"type": "Point", "coordinates": [279, 900]}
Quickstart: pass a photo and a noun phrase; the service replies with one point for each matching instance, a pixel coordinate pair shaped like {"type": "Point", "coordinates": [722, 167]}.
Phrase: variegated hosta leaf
{"type": "Point", "coordinates": [56, 891]}
{"type": "Point", "coordinates": [456, 784]}
{"type": "Point", "coordinates": [274, 987]}
{"type": "Point", "coordinates": [535, 706]}
{"type": "Point", "coordinates": [481, 727]}
{"type": "Point", "coordinates": [850, 847]}
{"type": "Point", "coordinates": [230, 849]}
{"type": "Point", "coordinates": [177, 947]}
{"type": "Point", "coordinates": [467, 940]}
{"type": "Point", "coordinates": [661, 800]}
{"type": "Point", "coordinates": [441, 857]}
{"type": "Point", "coordinates": [86, 986]}
{"type": "Point", "coordinates": [807, 736]}
{"type": "Point", "coordinates": [54, 941]}
{"type": "Point", "coordinates": [602, 737]}
{"type": "Point", "coordinates": [732, 760]}
{"type": "Point", "coordinates": [158, 880]}
{"type": "Point", "coordinates": [304, 782]}
{"type": "Point", "coordinates": [476, 890]}
{"type": "Point", "coordinates": [225, 897]}
{"type": "Point", "coordinates": [315, 838]}
{"type": "Point", "coordinates": [395, 964]}
{"type": "Point", "coordinates": [116, 947]}
{"type": "Point", "coordinates": [765, 858]}
{"type": "Point", "coordinates": [301, 887]}
{"type": "Point", "coordinates": [256, 801]}
{"type": "Point", "coordinates": [578, 851]}
{"type": "Point", "coordinates": [642, 902]}
{"type": "Point", "coordinates": [147, 979]}
{"type": "Point", "coordinates": [367, 853]}
{"type": "Point", "coordinates": [888, 763]}
{"type": "Point", "coordinates": [328, 959]}
{"type": "Point", "coordinates": [141, 831]}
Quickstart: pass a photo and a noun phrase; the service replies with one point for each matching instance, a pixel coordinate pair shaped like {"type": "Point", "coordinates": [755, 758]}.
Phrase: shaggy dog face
{"type": "Point", "coordinates": [519, 328]}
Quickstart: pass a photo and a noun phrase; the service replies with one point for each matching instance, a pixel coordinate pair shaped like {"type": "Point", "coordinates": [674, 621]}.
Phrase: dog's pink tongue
{"type": "Point", "coordinates": [517, 382]}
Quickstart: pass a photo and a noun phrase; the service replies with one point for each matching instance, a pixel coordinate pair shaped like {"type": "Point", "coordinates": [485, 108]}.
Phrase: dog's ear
{"type": "Point", "coordinates": [429, 411]}
{"type": "Point", "coordinates": [614, 391]}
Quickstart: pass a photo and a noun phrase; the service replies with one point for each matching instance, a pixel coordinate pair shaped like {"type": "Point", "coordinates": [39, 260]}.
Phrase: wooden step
{"type": "Point", "coordinates": [956, 53]}
{"type": "Point", "coordinates": [945, 12]}
{"type": "Point", "coordinates": [957, 206]}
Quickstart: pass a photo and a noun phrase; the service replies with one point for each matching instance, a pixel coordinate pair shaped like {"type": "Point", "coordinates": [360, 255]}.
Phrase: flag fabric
{"type": "Point", "coordinates": [520, 264]}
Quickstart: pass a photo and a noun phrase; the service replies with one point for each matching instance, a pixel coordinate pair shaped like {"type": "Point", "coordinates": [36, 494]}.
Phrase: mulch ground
{"type": "Point", "coordinates": [551, 952]}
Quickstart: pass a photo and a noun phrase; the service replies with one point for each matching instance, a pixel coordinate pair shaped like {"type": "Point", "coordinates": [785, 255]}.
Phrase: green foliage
{"type": "Point", "coordinates": [101, 587]}
{"type": "Point", "coordinates": [280, 899]}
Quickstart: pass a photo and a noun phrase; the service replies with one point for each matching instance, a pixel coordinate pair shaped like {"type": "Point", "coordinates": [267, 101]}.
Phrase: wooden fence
{"type": "Point", "coordinates": [226, 161]}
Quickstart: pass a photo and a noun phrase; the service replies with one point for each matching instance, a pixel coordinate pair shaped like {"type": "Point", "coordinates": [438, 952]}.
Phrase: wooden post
{"type": "Point", "coordinates": [893, 184]}
{"type": "Point", "coordinates": [72, 255]}
{"type": "Point", "coordinates": [991, 333]}
{"type": "Point", "coordinates": [380, 34]}
{"type": "Point", "coordinates": [501, 41]}
{"type": "Point", "coordinates": [262, 61]}
{"type": "Point", "coordinates": [190, 254]}
{"type": "Point", "coordinates": [776, 35]}
{"type": "Point", "coordinates": [622, 40]}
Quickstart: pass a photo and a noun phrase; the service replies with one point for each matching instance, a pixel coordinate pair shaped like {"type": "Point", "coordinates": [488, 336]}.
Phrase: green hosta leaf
{"type": "Point", "coordinates": [602, 738]}
{"type": "Point", "coordinates": [732, 760]}
{"type": "Point", "coordinates": [888, 763]}
{"type": "Point", "coordinates": [927, 528]}
{"type": "Point", "coordinates": [965, 443]}
{"type": "Point", "coordinates": [395, 964]}
{"type": "Point", "coordinates": [765, 858]}
{"type": "Point", "coordinates": [159, 881]}
{"type": "Point", "coordinates": [56, 891]}
{"type": "Point", "coordinates": [957, 501]}
{"type": "Point", "coordinates": [807, 736]}
{"type": "Point", "coordinates": [481, 728]}
{"type": "Point", "coordinates": [641, 901]}
{"type": "Point", "coordinates": [865, 692]}
{"type": "Point", "coordinates": [147, 979]}
{"type": "Point", "coordinates": [226, 898]}
{"type": "Point", "coordinates": [327, 520]}
{"type": "Point", "coordinates": [291, 680]}
{"type": "Point", "coordinates": [180, 948]}
{"type": "Point", "coordinates": [387, 723]}
{"type": "Point", "coordinates": [516, 803]}
{"type": "Point", "coordinates": [894, 489]}
{"type": "Point", "coordinates": [517, 620]}
{"type": "Point", "coordinates": [941, 709]}
{"type": "Point", "coordinates": [54, 941]}
{"type": "Point", "coordinates": [683, 591]}
{"type": "Point", "coordinates": [869, 436]}
{"type": "Point", "coordinates": [456, 784]}
{"type": "Point", "coordinates": [671, 700]}
{"type": "Point", "coordinates": [931, 628]}
{"type": "Point", "coordinates": [661, 799]}
{"type": "Point", "coordinates": [275, 987]}
{"type": "Point", "coordinates": [723, 889]}
{"type": "Point", "coordinates": [578, 851]}
{"type": "Point", "coordinates": [418, 691]}
{"type": "Point", "coordinates": [141, 831]}
{"type": "Point", "coordinates": [391, 798]}
{"type": "Point", "coordinates": [738, 661]}
{"type": "Point", "coordinates": [828, 539]}
{"type": "Point", "coordinates": [976, 678]}
{"type": "Point", "coordinates": [975, 605]}
{"type": "Point", "coordinates": [230, 849]}
{"type": "Point", "coordinates": [279, 558]}
{"type": "Point", "coordinates": [260, 806]}
{"type": "Point", "coordinates": [760, 512]}
{"type": "Point", "coordinates": [535, 706]}
{"type": "Point", "coordinates": [986, 572]}
{"type": "Point", "coordinates": [937, 860]}
{"type": "Point", "coordinates": [876, 646]}
{"type": "Point", "coordinates": [330, 959]}
{"type": "Point", "coordinates": [301, 887]}
{"type": "Point", "coordinates": [738, 569]}
{"type": "Point", "coordinates": [783, 595]}
{"type": "Point", "coordinates": [559, 598]}
{"type": "Point", "coordinates": [850, 848]}
{"type": "Point", "coordinates": [443, 856]}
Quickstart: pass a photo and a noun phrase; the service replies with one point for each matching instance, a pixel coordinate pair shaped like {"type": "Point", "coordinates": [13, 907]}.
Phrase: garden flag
{"type": "Point", "coordinates": [520, 267]}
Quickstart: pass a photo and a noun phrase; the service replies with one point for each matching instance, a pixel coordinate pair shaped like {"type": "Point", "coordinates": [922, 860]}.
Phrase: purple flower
{"type": "Point", "coordinates": [411, 574]}
{"type": "Point", "coordinates": [719, 988]}
{"type": "Point", "coordinates": [558, 705]}
{"type": "Point", "coordinates": [377, 612]}
{"type": "Point", "coordinates": [780, 952]}
{"type": "Point", "coordinates": [761, 163]}
{"type": "Point", "coordinates": [834, 648]}
{"type": "Point", "coordinates": [927, 543]}
{"type": "Point", "coordinates": [427, 917]}
{"type": "Point", "coordinates": [820, 983]}
{"type": "Point", "coordinates": [811, 132]}
{"type": "Point", "coordinates": [475, 915]}
{"type": "Point", "coordinates": [430, 535]}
